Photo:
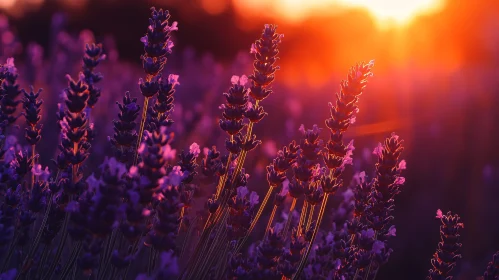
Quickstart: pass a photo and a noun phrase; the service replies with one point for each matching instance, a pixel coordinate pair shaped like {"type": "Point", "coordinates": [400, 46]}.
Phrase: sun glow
{"type": "Point", "coordinates": [399, 11]}
{"type": "Point", "coordinates": [385, 11]}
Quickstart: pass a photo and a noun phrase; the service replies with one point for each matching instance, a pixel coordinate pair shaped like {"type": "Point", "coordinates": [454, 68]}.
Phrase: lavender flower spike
{"type": "Point", "coordinates": [444, 259]}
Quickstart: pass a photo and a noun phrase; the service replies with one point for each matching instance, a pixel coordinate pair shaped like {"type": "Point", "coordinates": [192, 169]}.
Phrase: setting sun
{"type": "Point", "coordinates": [395, 10]}
{"type": "Point", "coordinates": [385, 11]}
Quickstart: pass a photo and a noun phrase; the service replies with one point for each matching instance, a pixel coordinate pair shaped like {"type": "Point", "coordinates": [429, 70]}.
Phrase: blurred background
{"type": "Point", "coordinates": [436, 84]}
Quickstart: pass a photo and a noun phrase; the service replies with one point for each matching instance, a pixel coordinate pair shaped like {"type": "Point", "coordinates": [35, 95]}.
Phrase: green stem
{"type": "Point", "coordinates": [152, 252]}
{"type": "Point", "coordinates": [134, 247]}
{"type": "Point", "coordinates": [27, 261]}
{"type": "Point", "coordinates": [310, 217]}
{"type": "Point", "coordinates": [187, 237]}
{"type": "Point", "coordinates": [314, 234]}
{"type": "Point", "coordinates": [43, 258]}
{"type": "Point", "coordinates": [290, 217]}
{"type": "Point", "coordinates": [371, 262]}
{"type": "Point", "coordinates": [60, 247]}
{"type": "Point", "coordinates": [269, 224]}
{"type": "Point", "coordinates": [9, 253]}
{"type": "Point", "coordinates": [303, 215]}
{"type": "Point", "coordinates": [141, 130]}
{"type": "Point", "coordinates": [34, 162]}
{"type": "Point", "coordinates": [72, 259]}
{"type": "Point", "coordinates": [109, 250]}
{"type": "Point", "coordinates": [255, 219]}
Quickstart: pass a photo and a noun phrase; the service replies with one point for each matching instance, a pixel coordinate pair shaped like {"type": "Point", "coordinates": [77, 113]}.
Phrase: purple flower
{"type": "Point", "coordinates": [10, 66]}
{"type": "Point", "coordinates": [42, 173]}
{"type": "Point", "coordinates": [402, 165]}
{"type": "Point", "coordinates": [173, 80]}
{"type": "Point", "coordinates": [194, 149]}
{"type": "Point", "coordinates": [378, 246]}
{"type": "Point", "coordinates": [399, 181]}
{"type": "Point", "coordinates": [242, 192]}
{"type": "Point", "coordinates": [236, 80]}
{"type": "Point", "coordinates": [253, 48]}
{"type": "Point", "coordinates": [115, 167]}
{"type": "Point", "coordinates": [173, 27]}
{"type": "Point", "coordinates": [93, 183]}
{"type": "Point", "coordinates": [175, 177]}
{"type": "Point", "coordinates": [392, 231]}
{"type": "Point", "coordinates": [253, 199]}
{"type": "Point", "coordinates": [169, 153]}
{"type": "Point", "coordinates": [439, 214]}
{"type": "Point", "coordinates": [378, 150]}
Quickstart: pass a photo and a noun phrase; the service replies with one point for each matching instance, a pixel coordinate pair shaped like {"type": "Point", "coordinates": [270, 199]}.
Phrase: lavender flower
{"type": "Point", "coordinates": [265, 50]}
{"type": "Point", "coordinates": [444, 259]}
{"type": "Point", "coordinates": [492, 270]}
{"type": "Point", "coordinates": [31, 106]}
{"type": "Point", "coordinates": [91, 59]}
{"type": "Point", "coordinates": [125, 136]}
{"type": "Point", "coordinates": [9, 92]}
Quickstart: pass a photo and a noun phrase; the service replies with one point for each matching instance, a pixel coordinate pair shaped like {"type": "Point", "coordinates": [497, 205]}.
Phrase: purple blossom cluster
{"type": "Point", "coordinates": [135, 215]}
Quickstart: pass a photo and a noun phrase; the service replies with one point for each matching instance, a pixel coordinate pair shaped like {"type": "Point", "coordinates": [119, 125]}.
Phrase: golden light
{"type": "Point", "coordinates": [6, 4]}
{"type": "Point", "coordinates": [396, 11]}
{"type": "Point", "coordinates": [386, 12]}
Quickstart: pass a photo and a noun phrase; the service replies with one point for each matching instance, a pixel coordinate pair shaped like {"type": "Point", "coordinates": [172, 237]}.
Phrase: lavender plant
{"type": "Point", "coordinates": [132, 217]}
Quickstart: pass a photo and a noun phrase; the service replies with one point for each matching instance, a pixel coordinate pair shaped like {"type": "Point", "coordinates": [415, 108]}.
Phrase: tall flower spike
{"type": "Point", "coordinates": [337, 155]}
{"type": "Point", "coordinates": [125, 135]}
{"type": "Point", "coordinates": [31, 106]}
{"type": "Point", "coordinates": [91, 59]}
{"type": "Point", "coordinates": [157, 41]}
{"type": "Point", "coordinates": [265, 50]}
{"type": "Point", "coordinates": [444, 259]}
{"type": "Point", "coordinates": [492, 271]}
{"type": "Point", "coordinates": [9, 92]}
{"type": "Point", "coordinates": [157, 46]}
{"type": "Point", "coordinates": [343, 111]}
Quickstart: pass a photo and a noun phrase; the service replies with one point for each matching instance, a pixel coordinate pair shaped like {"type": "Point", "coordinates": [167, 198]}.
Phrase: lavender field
{"type": "Point", "coordinates": [233, 140]}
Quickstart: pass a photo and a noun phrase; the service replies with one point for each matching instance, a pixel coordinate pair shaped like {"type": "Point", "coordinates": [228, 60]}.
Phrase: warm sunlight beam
{"type": "Point", "coordinates": [387, 12]}
{"type": "Point", "coordinates": [396, 11]}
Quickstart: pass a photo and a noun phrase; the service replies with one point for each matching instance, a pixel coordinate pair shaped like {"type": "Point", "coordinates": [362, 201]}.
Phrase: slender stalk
{"type": "Point", "coordinates": [152, 252]}
{"type": "Point", "coordinates": [36, 242]}
{"type": "Point", "coordinates": [109, 250]}
{"type": "Point", "coordinates": [216, 242]}
{"type": "Point", "coordinates": [290, 217]}
{"type": "Point", "coordinates": [182, 210]}
{"type": "Point", "coordinates": [34, 162]}
{"type": "Point", "coordinates": [375, 273]}
{"type": "Point", "coordinates": [107, 242]}
{"type": "Point", "coordinates": [134, 247]}
{"type": "Point", "coordinates": [310, 216]}
{"type": "Point", "coordinates": [370, 263]}
{"type": "Point", "coordinates": [187, 237]}
{"type": "Point", "coordinates": [75, 269]}
{"type": "Point", "coordinates": [141, 129]}
{"type": "Point", "coordinates": [60, 247]}
{"type": "Point", "coordinates": [223, 179]}
{"type": "Point", "coordinates": [203, 243]}
{"type": "Point", "coordinates": [9, 253]}
{"type": "Point", "coordinates": [356, 274]}
{"type": "Point", "coordinates": [69, 265]}
{"type": "Point", "coordinates": [242, 157]}
{"type": "Point", "coordinates": [221, 263]}
{"type": "Point", "coordinates": [314, 234]}
{"type": "Point", "coordinates": [303, 215]}
{"type": "Point", "coordinates": [269, 224]}
{"type": "Point", "coordinates": [154, 258]}
{"type": "Point", "coordinates": [255, 219]}
{"type": "Point", "coordinates": [43, 258]}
